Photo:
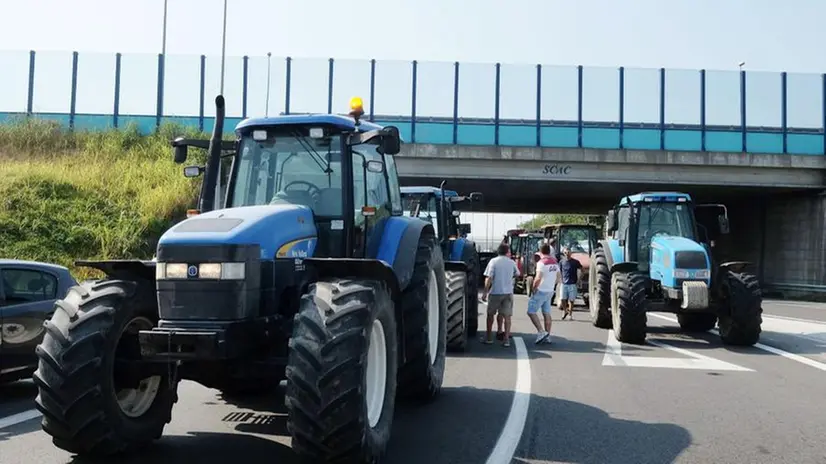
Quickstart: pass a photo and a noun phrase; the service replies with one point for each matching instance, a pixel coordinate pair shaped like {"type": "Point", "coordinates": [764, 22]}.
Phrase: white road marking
{"type": "Point", "coordinates": [512, 431]}
{"type": "Point", "coordinates": [796, 304]}
{"type": "Point", "coordinates": [788, 318]}
{"type": "Point", "coordinates": [770, 349]}
{"type": "Point", "coordinates": [18, 418]}
{"type": "Point", "coordinates": [613, 357]}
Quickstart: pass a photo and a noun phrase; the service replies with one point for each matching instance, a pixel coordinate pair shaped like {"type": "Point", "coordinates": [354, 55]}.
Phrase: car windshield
{"type": "Point", "coordinates": [293, 169]}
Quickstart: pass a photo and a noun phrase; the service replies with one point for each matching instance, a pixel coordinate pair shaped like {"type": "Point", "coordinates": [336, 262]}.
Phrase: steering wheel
{"type": "Point", "coordinates": [312, 189]}
{"type": "Point", "coordinates": [656, 232]}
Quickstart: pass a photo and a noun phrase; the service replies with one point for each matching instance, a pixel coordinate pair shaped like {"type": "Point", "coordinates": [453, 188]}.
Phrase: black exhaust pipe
{"type": "Point", "coordinates": [214, 158]}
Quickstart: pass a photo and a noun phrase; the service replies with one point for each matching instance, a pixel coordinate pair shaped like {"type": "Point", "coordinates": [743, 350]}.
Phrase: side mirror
{"type": "Point", "coordinates": [374, 166]}
{"type": "Point", "coordinates": [475, 196]}
{"type": "Point", "coordinates": [611, 220]}
{"type": "Point", "coordinates": [722, 221]}
{"type": "Point", "coordinates": [180, 150]}
{"type": "Point", "coordinates": [391, 141]}
{"type": "Point", "coordinates": [193, 171]}
{"type": "Point", "coordinates": [464, 229]}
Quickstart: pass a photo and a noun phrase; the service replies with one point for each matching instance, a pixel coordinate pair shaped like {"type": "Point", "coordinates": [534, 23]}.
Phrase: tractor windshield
{"type": "Point", "coordinates": [663, 218]}
{"type": "Point", "coordinates": [577, 239]}
{"type": "Point", "coordinates": [299, 170]}
{"type": "Point", "coordinates": [426, 205]}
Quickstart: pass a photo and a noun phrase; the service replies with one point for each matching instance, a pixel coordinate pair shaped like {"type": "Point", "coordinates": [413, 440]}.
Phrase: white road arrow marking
{"type": "Point", "coordinates": [613, 357]}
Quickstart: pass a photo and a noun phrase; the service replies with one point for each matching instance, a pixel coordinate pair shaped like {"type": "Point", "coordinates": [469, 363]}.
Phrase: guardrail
{"type": "Point", "coordinates": [433, 102]}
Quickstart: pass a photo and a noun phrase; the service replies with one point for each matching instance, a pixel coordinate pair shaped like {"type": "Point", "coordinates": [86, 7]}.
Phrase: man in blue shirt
{"type": "Point", "coordinates": [568, 267]}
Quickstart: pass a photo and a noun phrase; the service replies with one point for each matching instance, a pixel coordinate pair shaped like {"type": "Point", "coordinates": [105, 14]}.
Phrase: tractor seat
{"type": "Point", "coordinates": [329, 202]}
{"type": "Point", "coordinates": [293, 197]}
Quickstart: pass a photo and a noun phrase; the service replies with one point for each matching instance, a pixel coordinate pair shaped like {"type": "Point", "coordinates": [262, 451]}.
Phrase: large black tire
{"type": "Point", "coordinates": [471, 257]}
{"type": "Point", "coordinates": [328, 377]}
{"type": "Point", "coordinates": [697, 322]}
{"type": "Point", "coordinates": [628, 305]}
{"type": "Point", "coordinates": [456, 314]}
{"type": "Point", "coordinates": [421, 376]}
{"type": "Point", "coordinates": [741, 309]}
{"type": "Point", "coordinates": [599, 290]}
{"type": "Point", "coordinates": [76, 373]}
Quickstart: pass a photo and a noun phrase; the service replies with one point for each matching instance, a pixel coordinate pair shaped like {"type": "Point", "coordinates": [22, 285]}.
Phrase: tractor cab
{"type": "Point", "coordinates": [442, 208]}
{"type": "Point", "coordinates": [529, 244]}
{"type": "Point", "coordinates": [338, 168]}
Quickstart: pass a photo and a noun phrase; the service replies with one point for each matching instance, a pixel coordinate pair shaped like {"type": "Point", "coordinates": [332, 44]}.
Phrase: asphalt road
{"type": "Point", "coordinates": [581, 399]}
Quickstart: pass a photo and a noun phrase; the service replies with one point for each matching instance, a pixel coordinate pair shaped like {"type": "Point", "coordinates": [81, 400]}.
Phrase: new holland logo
{"type": "Point", "coordinates": [192, 270]}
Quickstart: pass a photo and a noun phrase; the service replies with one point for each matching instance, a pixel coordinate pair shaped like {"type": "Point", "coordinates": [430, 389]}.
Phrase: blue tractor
{"type": "Point", "coordinates": [661, 257]}
{"type": "Point", "coordinates": [442, 208]}
{"type": "Point", "coordinates": [309, 273]}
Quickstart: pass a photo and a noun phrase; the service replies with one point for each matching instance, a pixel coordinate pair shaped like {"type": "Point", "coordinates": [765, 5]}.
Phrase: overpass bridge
{"type": "Point", "coordinates": [533, 138]}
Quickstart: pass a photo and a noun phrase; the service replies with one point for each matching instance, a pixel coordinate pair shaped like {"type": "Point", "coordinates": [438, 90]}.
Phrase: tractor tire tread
{"type": "Point", "coordinates": [457, 335]}
{"type": "Point", "coordinates": [78, 412]}
{"type": "Point", "coordinates": [418, 378]}
{"type": "Point", "coordinates": [631, 301]}
{"type": "Point", "coordinates": [741, 326]}
{"type": "Point", "coordinates": [325, 372]}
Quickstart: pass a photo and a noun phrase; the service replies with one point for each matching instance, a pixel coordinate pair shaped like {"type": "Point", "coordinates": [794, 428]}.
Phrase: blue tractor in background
{"type": "Point", "coordinates": [661, 257]}
{"type": "Point", "coordinates": [442, 209]}
{"type": "Point", "coordinates": [309, 273]}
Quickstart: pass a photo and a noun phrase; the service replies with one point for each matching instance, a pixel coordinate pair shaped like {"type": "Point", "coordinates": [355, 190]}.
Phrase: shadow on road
{"type": "Point", "coordinates": [462, 426]}
{"type": "Point", "coordinates": [565, 431]}
{"type": "Point", "coordinates": [203, 448]}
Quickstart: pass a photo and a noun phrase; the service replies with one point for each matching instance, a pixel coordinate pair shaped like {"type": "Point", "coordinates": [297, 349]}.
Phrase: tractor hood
{"type": "Point", "coordinates": [270, 226]}
{"type": "Point", "coordinates": [675, 244]}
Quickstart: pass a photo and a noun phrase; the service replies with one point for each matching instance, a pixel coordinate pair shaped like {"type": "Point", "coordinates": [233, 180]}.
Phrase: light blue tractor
{"type": "Point", "coordinates": [307, 272]}
{"type": "Point", "coordinates": [442, 209]}
{"type": "Point", "coordinates": [660, 257]}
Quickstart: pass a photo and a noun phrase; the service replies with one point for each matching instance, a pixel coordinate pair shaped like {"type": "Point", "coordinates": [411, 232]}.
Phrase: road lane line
{"type": "Point", "coordinates": [512, 431]}
{"type": "Point", "coordinates": [770, 349]}
{"type": "Point", "coordinates": [18, 418]}
{"type": "Point", "coordinates": [787, 318]}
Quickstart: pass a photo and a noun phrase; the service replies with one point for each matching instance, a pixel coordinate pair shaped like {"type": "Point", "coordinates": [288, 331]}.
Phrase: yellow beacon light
{"type": "Point", "coordinates": [356, 107]}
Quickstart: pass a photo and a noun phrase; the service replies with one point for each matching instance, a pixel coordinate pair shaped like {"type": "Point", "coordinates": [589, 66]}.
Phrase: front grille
{"type": "Point", "coordinates": [690, 260]}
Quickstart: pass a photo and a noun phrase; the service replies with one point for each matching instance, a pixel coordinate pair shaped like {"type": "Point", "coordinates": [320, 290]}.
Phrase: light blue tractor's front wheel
{"type": "Point", "coordinates": [628, 305]}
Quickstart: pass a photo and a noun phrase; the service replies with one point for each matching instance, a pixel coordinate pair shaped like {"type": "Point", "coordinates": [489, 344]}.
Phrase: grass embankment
{"type": "Point", "coordinates": [88, 195]}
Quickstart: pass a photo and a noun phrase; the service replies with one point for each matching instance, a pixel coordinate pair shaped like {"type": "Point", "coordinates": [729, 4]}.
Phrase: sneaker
{"type": "Point", "coordinates": [541, 336]}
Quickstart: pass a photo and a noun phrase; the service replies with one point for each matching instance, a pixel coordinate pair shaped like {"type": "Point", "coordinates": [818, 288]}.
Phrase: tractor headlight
{"type": "Point", "coordinates": [680, 274]}
{"type": "Point", "coordinates": [702, 274]}
{"type": "Point", "coordinates": [212, 271]}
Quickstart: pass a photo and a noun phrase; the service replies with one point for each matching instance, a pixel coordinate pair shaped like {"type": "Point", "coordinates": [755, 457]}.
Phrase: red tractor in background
{"type": "Point", "coordinates": [580, 239]}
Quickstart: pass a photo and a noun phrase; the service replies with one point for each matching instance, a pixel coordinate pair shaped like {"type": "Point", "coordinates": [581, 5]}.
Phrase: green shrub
{"type": "Point", "coordinates": [89, 195]}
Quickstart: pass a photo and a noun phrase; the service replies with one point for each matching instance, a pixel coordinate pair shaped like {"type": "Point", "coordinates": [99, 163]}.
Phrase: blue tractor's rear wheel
{"type": "Point", "coordinates": [342, 371]}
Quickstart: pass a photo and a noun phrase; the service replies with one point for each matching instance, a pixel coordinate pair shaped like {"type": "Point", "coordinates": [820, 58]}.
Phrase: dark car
{"type": "Point", "coordinates": [28, 291]}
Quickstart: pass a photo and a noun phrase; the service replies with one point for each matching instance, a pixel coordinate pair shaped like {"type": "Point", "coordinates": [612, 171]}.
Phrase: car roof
{"type": "Point", "coordinates": [33, 265]}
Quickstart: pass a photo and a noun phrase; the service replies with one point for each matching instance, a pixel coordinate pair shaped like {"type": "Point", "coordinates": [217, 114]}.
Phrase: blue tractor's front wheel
{"type": "Point", "coordinates": [628, 307]}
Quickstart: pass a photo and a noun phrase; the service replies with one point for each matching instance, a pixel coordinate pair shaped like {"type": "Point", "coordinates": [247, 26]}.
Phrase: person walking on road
{"type": "Point", "coordinates": [499, 274]}
{"type": "Point", "coordinates": [568, 267]}
{"type": "Point", "coordinates": [544, 285]}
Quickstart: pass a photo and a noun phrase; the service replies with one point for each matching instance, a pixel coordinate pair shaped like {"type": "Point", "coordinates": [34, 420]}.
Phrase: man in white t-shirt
{"type": "Point", "coordinates": [499, 284]}
{"type": "Point", "coordinates": [544, 284]}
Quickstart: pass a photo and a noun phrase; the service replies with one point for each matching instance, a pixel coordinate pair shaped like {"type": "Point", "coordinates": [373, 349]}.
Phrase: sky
{"type": "Point", "coordinates": [768, 36]}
